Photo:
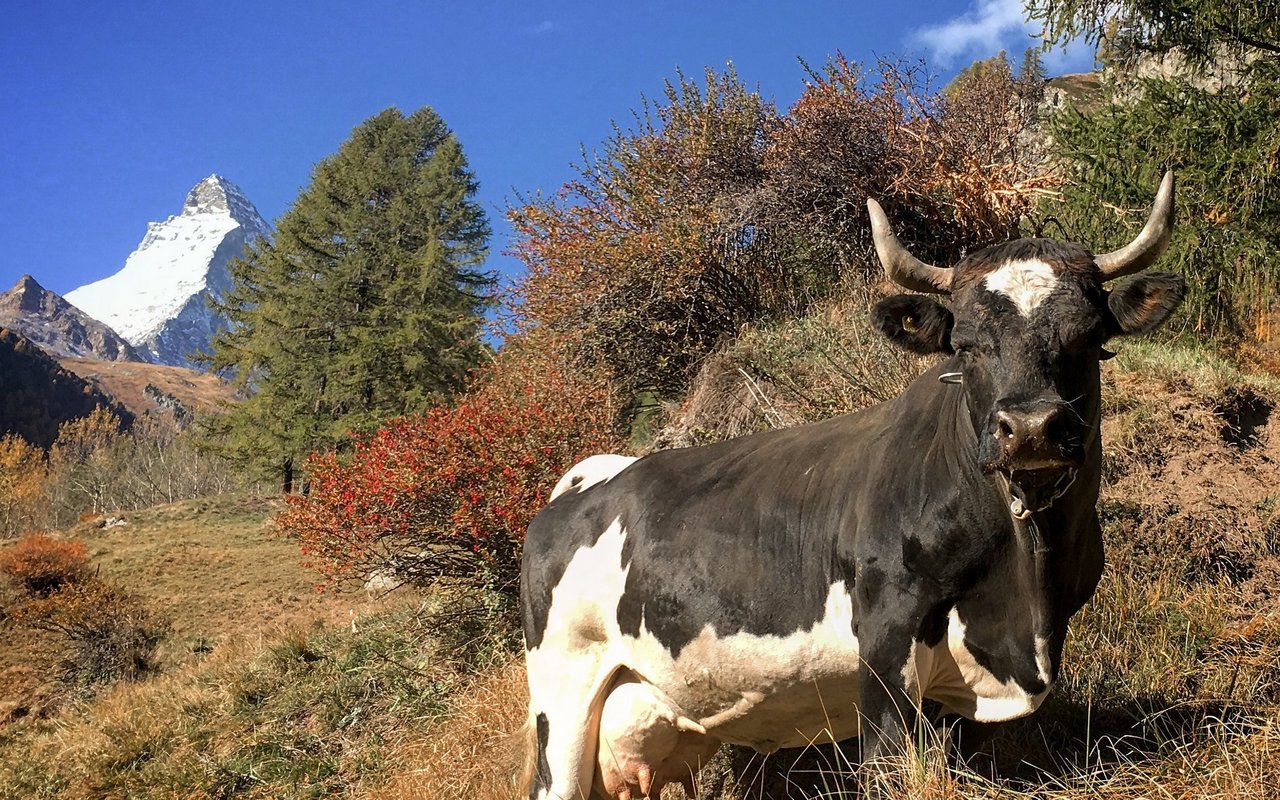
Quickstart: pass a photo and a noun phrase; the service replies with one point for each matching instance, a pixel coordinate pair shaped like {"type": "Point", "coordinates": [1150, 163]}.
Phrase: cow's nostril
{"type": "Point", "coordinates": [1055, 427]}
{"type": "Point", "coordinates": [1004, 428]}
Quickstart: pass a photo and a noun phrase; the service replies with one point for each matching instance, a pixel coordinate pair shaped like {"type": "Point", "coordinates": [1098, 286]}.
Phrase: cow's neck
{"type": "Point", "coordinates": [1047, 547]}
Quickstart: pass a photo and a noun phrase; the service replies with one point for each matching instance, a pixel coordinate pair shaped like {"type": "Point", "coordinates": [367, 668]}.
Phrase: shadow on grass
{"type": "Point", "coordinates": [1053, 748]}
{"type": "Point", "coordinates": [1068, 738]}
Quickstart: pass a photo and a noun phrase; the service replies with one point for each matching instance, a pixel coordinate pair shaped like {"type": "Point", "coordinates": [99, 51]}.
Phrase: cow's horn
{"type": "Point", "coordinates": [903, 268]}
{"type": "Point", "coordinates": [1149, 244]}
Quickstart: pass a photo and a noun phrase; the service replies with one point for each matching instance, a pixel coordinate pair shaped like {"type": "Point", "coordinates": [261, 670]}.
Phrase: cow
{"type": "Point", "coordinates": [823, 581]}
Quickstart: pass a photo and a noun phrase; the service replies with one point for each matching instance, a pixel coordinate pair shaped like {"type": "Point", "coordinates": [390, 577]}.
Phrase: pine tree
{"type": "Point", "coordinates": [1198, 30]}
{"type": "Point", "coordinates": [1211, 112]}
{"type": "Point", "coordinates": [367, 303]}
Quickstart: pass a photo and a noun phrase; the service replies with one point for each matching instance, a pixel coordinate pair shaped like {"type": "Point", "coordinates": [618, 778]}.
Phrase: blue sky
{"type": "Point", "coordinates": [113, 110]}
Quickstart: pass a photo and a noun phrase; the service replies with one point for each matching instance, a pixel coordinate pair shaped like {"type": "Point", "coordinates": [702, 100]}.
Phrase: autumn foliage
{"type": "Point", "coordinates": [448, 494]}
{"type": "Point", "coordinates": [717, 210]}
{"type": "Point", "coordinates": [22, 475]}
{"type": "Point", "coordinates": [41, 564]}
{"type": "Point", "coordinates": [106, 631]}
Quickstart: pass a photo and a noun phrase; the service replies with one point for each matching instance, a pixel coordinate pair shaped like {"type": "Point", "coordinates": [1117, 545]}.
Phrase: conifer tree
{"type": "Point", "coordinates": [366, 304]}
{"type": "Point", "coordinates": [1192, 85]}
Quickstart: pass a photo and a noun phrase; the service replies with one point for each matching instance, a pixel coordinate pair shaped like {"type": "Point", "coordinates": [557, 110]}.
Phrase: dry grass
{"type": "Point", "coordinates": [213, 566]}
{"type": "Point", "coordinates": [831, 362]}
{"type": "Point", "coordinates": [474, 752]}
{"type": "Point", "coordinates": [210, 566]}
{"type": "Point", "coordinates": [292, 713]}
{"type": "Point", "coordinates": [127, 382]}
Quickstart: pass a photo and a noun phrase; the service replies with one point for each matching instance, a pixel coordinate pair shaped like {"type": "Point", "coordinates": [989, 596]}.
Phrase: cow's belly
{"type": "Point", "coordinates": [763, 691]}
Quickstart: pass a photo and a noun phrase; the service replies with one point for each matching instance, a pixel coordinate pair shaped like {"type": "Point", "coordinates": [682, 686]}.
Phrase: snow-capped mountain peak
{"type": "Point", "coordinates": [157, 301]}
{"type": "Point", "coordinates": [217, 195]}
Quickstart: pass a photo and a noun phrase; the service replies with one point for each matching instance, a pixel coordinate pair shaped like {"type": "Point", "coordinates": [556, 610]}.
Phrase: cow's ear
{"type": "Point", "coordinates": [914, 322]}
{"type": "Point", "coordinates": [1140, 303]}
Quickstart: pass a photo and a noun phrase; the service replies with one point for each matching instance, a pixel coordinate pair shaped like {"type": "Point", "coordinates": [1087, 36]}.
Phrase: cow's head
{"type": "Point", "coordinates": [1027, 322]}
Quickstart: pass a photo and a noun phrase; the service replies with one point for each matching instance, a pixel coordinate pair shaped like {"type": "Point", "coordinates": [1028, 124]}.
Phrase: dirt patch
{"type": "Point", "coordinates": [1192, 480]}
{"type": "Point", "coordinates": [1245, 416]}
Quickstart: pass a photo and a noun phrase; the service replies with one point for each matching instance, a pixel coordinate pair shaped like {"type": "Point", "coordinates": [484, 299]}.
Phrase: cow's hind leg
{"type": "Point", "coordinates": [565, 698]}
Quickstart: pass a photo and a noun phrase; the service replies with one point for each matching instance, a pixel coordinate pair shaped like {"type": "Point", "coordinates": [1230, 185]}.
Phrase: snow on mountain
{"type": "Point", "coordinates": [157, 301]}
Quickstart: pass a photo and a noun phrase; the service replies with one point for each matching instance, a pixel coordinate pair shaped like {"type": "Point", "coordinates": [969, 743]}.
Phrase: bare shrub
{"type": "Point", "coordinates": [107, 632]}
{"type": "Point", "coordinates": [95, 468]}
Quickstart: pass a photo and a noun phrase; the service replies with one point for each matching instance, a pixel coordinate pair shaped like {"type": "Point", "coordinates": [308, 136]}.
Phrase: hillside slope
{"type": "Point", "coordinates": [210, 567]}
{"type": "Point", "coordinates": [153, 388]}
{"type": "Point", "coordinates": [1171, 683]}
{"type": "Point", "coordinates": [37, 395]}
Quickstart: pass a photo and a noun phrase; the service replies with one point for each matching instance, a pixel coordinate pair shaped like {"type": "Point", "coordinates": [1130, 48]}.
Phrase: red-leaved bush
{"type": "Point", "coordinates": [448, 494]}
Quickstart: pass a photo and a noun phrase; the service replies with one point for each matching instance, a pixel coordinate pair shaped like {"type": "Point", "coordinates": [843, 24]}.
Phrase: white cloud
{"type": "Point", "coordinates": [546, 26]}
{"type": "Point", "coordinates": [979, 32]}
{"type": "Point", "coordinates": [989, 27]}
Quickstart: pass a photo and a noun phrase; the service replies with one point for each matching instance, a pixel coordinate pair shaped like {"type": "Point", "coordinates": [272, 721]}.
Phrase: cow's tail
{"type": "Point", "coordinates": [525, 744]}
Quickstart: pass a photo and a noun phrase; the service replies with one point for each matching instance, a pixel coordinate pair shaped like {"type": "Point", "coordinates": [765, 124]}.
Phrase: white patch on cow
{"type": "Point", "coordinates": [1026, 283]}
{"type": "Point", "coordinates": [964, 685]}
{"type": "Point", "coordinates": [1042, 659]}
{"type": "Point", "coordinates": [571, 667]}
{"type": "Point", "coordinates": [590, 471]}
{"type": "Point", "coordinates": [764, 691]}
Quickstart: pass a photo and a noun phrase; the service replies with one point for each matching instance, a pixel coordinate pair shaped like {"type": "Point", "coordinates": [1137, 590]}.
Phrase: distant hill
{"type": "Point", "coordinates": [48, 320]}
{"type": "Point", "coordinates": [149, 389]}
{"type": "Point", "coordinates": [1081, 91]}
{"type": "Point", "coordinates": [37, 394]}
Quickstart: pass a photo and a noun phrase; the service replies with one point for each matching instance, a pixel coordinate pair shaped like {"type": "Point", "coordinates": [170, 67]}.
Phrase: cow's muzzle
{"type": "Point", "coordinates": [1035, 437]}
{"type": "Point", "coordinates": [1037, 448]}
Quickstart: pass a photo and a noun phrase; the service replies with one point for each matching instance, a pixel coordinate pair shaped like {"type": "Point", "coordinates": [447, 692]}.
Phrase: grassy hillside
{"type": "Point", "coordinates": [266, 688]}
{"type": "Point", "coordinates": [142, 387]}
{"type": "Point", "coordinates": [209, 566]}
{"type": "Point", "coordinates": [1171, 684]}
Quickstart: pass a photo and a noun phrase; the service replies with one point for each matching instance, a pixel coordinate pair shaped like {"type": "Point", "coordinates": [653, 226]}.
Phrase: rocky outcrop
{"type": "Point", "coordinates": [46, 319]}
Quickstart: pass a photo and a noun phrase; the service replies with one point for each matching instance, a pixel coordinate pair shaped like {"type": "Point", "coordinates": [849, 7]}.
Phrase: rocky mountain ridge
{"type": "Point", "coordinates": [47, 320]}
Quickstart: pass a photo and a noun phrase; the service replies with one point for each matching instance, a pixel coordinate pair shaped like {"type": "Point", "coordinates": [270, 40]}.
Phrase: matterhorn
{"type": "Point", "coordinates": [158, 301]}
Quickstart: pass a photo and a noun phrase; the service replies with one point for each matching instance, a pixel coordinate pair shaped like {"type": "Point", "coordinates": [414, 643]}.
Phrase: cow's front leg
{"type": "Point", "coordinates": [888, 623]}
{"type": "Point", "coordinates": [888, 698]}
